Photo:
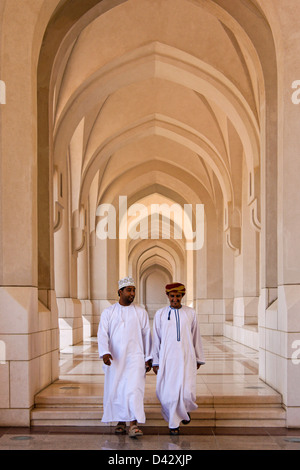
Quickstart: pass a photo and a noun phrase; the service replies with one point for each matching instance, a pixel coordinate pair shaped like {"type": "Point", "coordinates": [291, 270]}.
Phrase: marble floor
{"type": "Point", "coordinates": [230, 372]}
{"type": "Point", "coordinates": [230, 369]}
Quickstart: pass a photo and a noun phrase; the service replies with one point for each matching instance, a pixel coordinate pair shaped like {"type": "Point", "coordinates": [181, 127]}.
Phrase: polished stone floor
{"type": "Point", "coordinates": [231, 370]}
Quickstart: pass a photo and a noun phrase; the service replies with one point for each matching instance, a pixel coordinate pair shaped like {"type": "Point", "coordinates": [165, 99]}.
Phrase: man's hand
{"type": "Point", "coordinates": [148, 365]}
{"type": "Point", "coordinates": [155, 369]}
{"type": "Point", "coordinates": [107, 358]}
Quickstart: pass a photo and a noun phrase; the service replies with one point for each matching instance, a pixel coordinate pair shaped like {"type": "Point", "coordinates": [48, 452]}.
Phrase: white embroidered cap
{"type": "Point", "coordinates": [127, 281]}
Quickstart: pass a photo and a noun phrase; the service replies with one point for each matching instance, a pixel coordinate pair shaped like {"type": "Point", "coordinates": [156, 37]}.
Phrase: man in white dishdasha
{"type": "Point", "coordinates": [177, 354]}
{"type": "Point", "coordinates": [124, 343]}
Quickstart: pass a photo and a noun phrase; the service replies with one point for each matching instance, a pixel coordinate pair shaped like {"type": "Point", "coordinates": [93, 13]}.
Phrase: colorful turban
{"type": "Point", "coordinates": [127, 281]}
{"type": "Point", "coordinates": [176, 286]}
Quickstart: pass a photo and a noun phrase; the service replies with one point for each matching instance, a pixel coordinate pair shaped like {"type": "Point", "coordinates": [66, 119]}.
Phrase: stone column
{"type": "Point", "coordinates": [288, 367]}
{"type": "Point", "coordinates": [28, 327]}
{"type": "Point", "coordinates": [280, 323]}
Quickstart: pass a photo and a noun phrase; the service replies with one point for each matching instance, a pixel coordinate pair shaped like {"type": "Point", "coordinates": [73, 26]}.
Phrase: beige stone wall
{"type": "Point", "coordinates": [279, 333]}
{"type": "Point", "coordinates": [29, 327]}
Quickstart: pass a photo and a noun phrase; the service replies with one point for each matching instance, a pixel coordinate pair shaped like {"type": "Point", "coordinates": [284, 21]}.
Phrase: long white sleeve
{"type": "Point", "coordinates": [147, 338]}
{"type": "Point", "coordinates": [156, 339]}
{"type": "Point", "coordinates": [197, 342]}
{"type": "Point", "coordinates": [103, 335]}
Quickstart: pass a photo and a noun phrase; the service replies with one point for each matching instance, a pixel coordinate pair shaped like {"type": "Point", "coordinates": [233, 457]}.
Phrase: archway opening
{"type": "Point", "coordinates": [165, 113]}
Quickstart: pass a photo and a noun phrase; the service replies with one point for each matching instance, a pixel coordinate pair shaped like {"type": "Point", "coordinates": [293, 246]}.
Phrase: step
{"type": "Point", "coordinates": [92, 394]}
{"type": "Point", "coordinates": [212, 411]}
{"type": "Point", "coordinates": [80, 404]}
{"type": "Point", "coordinates": [232, 416]}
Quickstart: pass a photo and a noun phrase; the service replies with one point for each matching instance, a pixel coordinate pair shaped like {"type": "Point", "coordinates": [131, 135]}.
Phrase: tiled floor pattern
{"type": "Point", "coordinates": [231, 370]}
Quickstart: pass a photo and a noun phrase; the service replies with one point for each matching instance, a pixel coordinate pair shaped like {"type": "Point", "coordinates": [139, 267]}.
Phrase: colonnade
{"type": "Point", "coordinates": [167, 102]}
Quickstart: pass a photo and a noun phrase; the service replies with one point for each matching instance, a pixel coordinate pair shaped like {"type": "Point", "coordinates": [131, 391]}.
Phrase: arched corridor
{"type": "Point", "coordinates": [158, 140]}
{"type": "Point", "coordinates": [154, 124]}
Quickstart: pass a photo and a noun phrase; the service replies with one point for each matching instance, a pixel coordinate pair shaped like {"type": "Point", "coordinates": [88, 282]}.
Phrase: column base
{"type": "Point", "coordinates": [279, 332]}
{"type": "Point", "coordinates": [211, 316]}
{"type": "Point", "coordinates": [76, 319]}
{"type": "Point", "coordinates": [29, 345]}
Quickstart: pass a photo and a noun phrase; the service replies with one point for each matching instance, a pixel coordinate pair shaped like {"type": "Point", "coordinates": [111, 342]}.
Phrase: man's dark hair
{"type": "Point", "coordinates": [122, 288]}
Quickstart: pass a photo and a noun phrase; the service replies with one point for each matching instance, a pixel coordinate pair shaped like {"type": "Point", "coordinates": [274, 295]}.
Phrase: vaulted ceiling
{"type": "Point", "coordinates": [159, 97]}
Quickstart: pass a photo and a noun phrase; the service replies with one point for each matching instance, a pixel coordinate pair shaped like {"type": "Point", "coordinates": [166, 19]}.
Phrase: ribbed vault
{"type": "Point", "coordinates": [158, 102]}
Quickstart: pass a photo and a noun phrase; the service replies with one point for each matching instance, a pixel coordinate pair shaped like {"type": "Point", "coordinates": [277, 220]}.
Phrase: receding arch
{"type": "Point", "coordinates": [168, 63]}
{"type": "Point", "coordinates": [52, 53]}
{"type": "Point", "coordinates": [151, 64]}
{"type": "Point", "coordinates": [153, 129]}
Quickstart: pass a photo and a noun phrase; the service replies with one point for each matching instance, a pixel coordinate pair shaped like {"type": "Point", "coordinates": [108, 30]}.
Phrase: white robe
{"type": "Point", "coordinates": [124, 332]}
{"type": "Point", "coordinates": [177, 348]}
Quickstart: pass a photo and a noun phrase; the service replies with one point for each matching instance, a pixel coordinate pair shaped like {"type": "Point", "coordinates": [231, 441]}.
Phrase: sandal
{"type": "Point", "coordinates": [185, 421]}
{"type": "Point", "coordinates": [120, 428]}
{"type": "Point", "coordinates": [174, 431]}
{"type": "Point", "coordinates": [134, 431]}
